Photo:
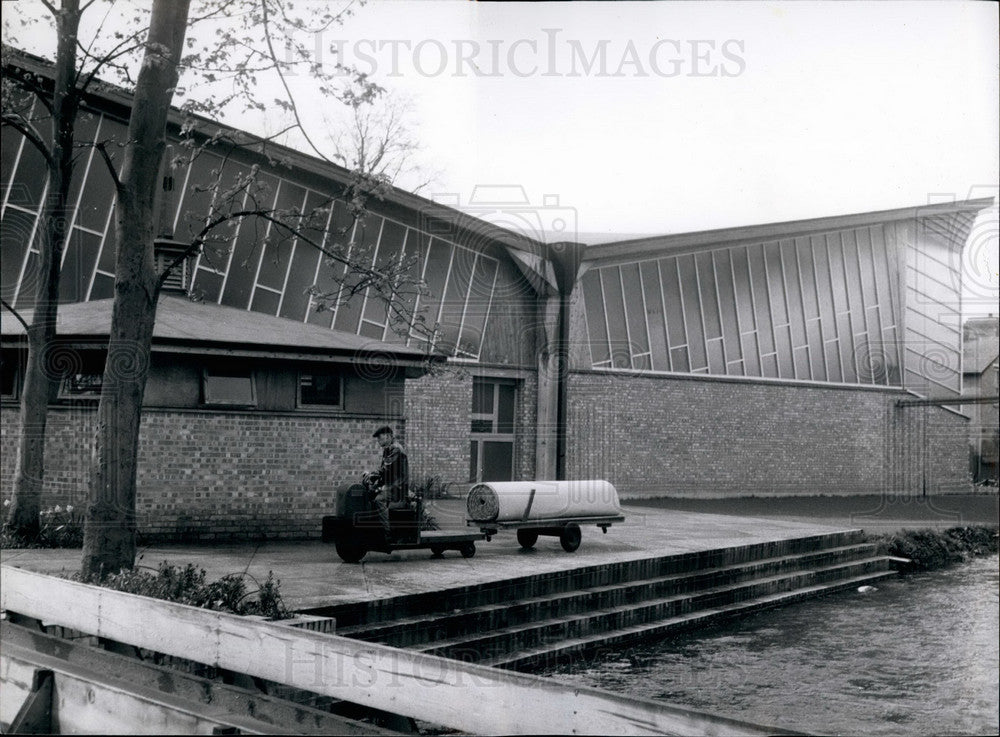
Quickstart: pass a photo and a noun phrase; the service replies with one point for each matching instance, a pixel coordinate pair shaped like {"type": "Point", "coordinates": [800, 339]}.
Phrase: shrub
{"type": "Point", "coordinates": [432, 487]}
{"type": "Point", "coordinates": [930, 549]}
{"type": "Point", "coordinates": [187, 585]}
{"type": "Point", "coordinates": [58, 528]}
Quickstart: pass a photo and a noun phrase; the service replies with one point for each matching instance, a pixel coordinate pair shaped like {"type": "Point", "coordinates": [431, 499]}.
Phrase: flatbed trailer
{"type": "Point", "coordinates": [567, 529]}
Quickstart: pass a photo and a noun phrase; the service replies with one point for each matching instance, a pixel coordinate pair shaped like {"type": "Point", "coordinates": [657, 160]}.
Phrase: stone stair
{"type": "Point", "coordinates": [537, 622]}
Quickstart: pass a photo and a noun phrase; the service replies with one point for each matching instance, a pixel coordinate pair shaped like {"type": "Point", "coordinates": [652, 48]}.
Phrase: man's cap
{"type": "Point", "coordinates": [383, 429]}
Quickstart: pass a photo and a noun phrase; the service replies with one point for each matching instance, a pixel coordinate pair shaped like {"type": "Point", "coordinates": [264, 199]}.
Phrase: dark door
{"type": "Point", "coordinates": [491, 456]}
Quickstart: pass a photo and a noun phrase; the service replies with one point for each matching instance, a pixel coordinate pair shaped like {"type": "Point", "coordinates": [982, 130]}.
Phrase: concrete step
{"type": "Point", "coordinates": [493, 643]}
{"type": "Point", "coordinates": [503, 592]}
{"type": "Point", "coordinates": [576, 649]}
{"type": "Point", "coordinates": [437, 626]}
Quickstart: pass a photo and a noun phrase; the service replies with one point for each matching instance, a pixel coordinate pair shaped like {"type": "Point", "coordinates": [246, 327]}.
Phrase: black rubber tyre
{"type": "Point", "coordinates": [350, 552]}
{"type": "Point", "coordinates": [467, 550]}
{"type": "Point", "coordinates": [527, 538]}
{"type": "Point", "coordinates": [570, 537]}
{"type": "Point", "coordinates": [437, 551]}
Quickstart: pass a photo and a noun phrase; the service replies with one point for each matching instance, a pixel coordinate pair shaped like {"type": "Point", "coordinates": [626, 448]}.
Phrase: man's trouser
{"type": "Point", "coordinates": [382, 507]}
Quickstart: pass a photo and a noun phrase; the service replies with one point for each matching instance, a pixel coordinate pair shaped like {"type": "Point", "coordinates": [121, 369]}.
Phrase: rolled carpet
{"type": "Point", "coordinates": [511, 501]}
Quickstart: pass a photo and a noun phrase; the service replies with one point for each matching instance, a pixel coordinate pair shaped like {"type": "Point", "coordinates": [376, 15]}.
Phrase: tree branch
{"type": "Point", "coordinates": [103, 151]}
{"type": "Point", "coordinates": [27, 82]}
{"type": "Point", "coordinates": [25, 129]}
{"type": "Point", "coordinates": [16, 314]}
{"type": "Point", "coordinates": [284, 83]}
{"type": "Point", "coordinates": [108, 58]}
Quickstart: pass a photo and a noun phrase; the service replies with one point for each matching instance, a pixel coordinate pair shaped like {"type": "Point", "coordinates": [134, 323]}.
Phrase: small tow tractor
{"type": "Point", "coordinates": [355, 529]}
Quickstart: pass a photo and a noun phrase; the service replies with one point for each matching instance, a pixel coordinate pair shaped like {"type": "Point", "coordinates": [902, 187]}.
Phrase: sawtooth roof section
{"type": "Point", "coordinates": [182, 323]}
{"type": "Point", "coordinates": [104, 95]}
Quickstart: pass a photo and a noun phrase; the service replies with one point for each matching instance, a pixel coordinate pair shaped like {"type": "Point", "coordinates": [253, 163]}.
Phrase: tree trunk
{"type": "Point", "coordinates": [109, 542]}
{"type": "Point", "coordinates": [43, 363]}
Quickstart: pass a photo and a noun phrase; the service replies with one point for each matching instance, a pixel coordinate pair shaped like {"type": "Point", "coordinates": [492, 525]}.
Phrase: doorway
{"type": "Point", "coordinates": [491, 446]}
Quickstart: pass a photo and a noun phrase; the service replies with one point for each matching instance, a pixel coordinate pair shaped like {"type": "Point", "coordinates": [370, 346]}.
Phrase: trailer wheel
{"type": "Point", "coordinates": [437, 551]}
{"type": "Point", "coordinates": [350, 552]}
{"type": "Point", "coordinates": [467, 550]}
{"type": "Point", "coordinates": [570, 537]}
{"type": "Point", "coordinates": [527, 538]}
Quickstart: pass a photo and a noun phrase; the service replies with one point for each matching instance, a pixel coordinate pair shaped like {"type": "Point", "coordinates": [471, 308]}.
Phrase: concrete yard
{"type": "Point", "coordinates": [312, 575]}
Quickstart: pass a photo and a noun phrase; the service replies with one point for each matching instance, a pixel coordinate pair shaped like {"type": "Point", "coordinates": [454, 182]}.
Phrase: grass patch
{"type": "Point", "coordinates": [932, 549]}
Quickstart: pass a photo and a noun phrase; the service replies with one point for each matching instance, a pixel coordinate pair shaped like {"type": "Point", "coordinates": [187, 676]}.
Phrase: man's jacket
{"type": "Point", "coordinates": [394, 473]}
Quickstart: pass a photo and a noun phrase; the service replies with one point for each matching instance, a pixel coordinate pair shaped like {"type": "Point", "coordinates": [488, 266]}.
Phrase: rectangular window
{"type": "Point", "coordinates": [691, 303]}
{"type": "Point", "coordinates": [653, 297]}
{"type": "Point", "coordinates": [229, 387]}
{"type": "Point", "coordinates": [597, 330]}
{"type": "Point", "coordinates": [81, 385]}
{"type": "Point", "coordinates": [321, 389]}
{"type": "Point", "coordinates": [635, 313]}
{"type": "Point", "coordinates": [10, 379]}
{"type": "Point", "coordinates": [614, 304]}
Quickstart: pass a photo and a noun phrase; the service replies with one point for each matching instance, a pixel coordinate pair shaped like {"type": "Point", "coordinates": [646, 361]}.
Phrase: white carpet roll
{"type": "Point", "coordinates": [511, 501]}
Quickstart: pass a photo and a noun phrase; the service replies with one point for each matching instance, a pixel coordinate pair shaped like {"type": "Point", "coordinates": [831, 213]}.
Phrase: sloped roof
{"type": "Point", "coordinates": [979, 352]}
{"type": "Point", "coordinates": [747, 234]}
{"type": "Point", "coordinates": [181, 323]}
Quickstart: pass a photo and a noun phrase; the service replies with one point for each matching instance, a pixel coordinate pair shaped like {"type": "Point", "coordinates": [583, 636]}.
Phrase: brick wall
{"type": "Point", "coordinates": [214, 475]}
{"type": "Point", "coordinates": [438, 409]}
{"type": "Point", "coordinates": [227, 475]}
{"type": "Point", "coordinates": [240, 474]}
{"type": "Point", "coordinates": [437, 412]}
{"type": "Point", "coordinates": [702, 437]}
{"type": "Point", "coordinates": [525, 426]}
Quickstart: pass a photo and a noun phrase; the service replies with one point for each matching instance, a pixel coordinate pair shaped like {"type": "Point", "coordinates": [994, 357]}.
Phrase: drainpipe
{"type": "Point", "coordinates": [566, 258]}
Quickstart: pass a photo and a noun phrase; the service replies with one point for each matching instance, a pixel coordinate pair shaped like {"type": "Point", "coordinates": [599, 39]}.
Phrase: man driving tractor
{"type": "Point", "coordinates": [390, 483]}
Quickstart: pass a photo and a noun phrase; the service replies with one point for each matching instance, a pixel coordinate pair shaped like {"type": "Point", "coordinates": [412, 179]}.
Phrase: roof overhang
{"type": "Point", "coordinates": [654, 246]}
{"type": "Point", "coordinates": [209, 329]}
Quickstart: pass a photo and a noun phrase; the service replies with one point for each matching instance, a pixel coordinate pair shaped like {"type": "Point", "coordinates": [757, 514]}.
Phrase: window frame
{"type": "Point", "coordinates": [207, 373]}
{"type": "Point", "coordinates": [15, 379]}
{"type": "Point", "coordinates": [299, 404]}
{"type": "Point", "coordinates": [93, 392]}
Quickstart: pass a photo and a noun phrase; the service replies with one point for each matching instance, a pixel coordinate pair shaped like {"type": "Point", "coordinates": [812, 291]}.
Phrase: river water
{"type": "Point", "coordinates": [917, 656]}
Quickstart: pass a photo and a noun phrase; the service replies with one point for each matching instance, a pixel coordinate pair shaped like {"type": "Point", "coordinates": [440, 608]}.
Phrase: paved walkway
{"type": "Point", "coordinates": [312, 575]}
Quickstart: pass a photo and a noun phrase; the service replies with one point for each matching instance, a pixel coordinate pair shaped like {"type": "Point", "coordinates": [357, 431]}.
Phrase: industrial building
{"type": "Point", "coordinates": [778, 359]}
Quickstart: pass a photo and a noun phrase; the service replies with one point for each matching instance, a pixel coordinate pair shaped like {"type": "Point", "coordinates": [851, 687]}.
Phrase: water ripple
{"type": "Point", "coordinates": [920, 656]}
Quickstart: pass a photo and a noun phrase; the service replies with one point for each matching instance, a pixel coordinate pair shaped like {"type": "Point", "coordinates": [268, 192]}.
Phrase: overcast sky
{"type": "Point", "coordinates": [665, 117]}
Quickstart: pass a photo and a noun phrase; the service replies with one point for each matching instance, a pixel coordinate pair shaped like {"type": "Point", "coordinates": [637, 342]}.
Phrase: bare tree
{"type": "Point", "coordinates": [247, 40]}
{"type": "Point", "coordinates": [59, 105]}
{"type": "Point", "coordinates": [378, 141]}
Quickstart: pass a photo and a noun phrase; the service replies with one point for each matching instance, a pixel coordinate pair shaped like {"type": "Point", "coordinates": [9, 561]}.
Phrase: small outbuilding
{"type": "Point", "coordinates": [249, 420]}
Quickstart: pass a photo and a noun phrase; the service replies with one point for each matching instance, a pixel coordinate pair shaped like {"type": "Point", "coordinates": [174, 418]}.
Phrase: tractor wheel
{"type": "Point", "coordinates": [570, 537]}
{"type": "Point", "coordinates": [527, 538]}
{"type": "Point", "coordinates": [350, 552]}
